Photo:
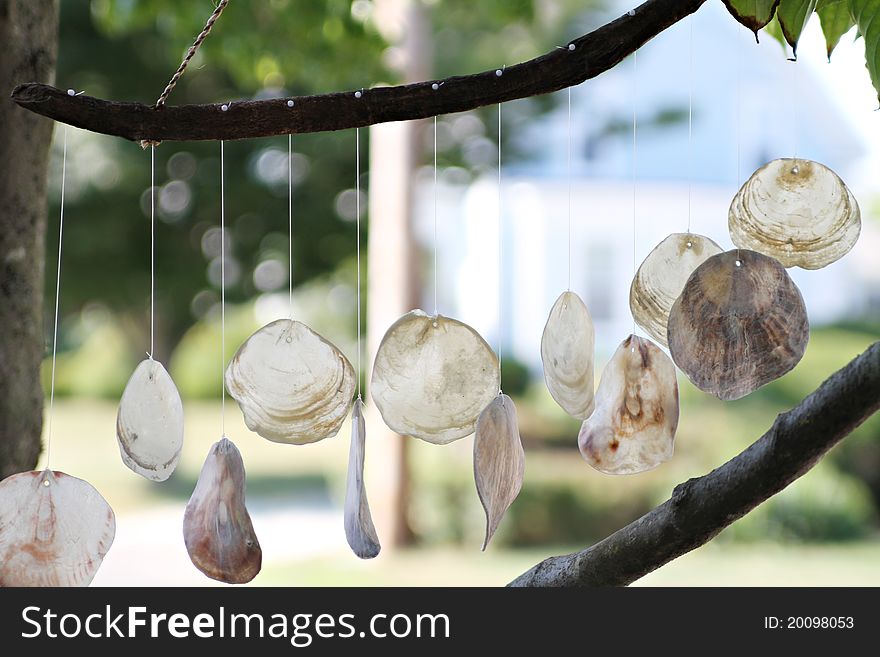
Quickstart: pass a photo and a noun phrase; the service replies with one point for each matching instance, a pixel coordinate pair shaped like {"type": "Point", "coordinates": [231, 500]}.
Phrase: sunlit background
{"type": "Point", "coordinates": [749, 104]}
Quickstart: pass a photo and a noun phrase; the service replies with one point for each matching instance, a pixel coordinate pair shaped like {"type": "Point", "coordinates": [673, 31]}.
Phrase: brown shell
{"type": "Point", "coordinates": [633, 427]}
{"type": "Point", "coordinates": [217, 528]}
{"type": "Point", "coordinates": [737, 327]}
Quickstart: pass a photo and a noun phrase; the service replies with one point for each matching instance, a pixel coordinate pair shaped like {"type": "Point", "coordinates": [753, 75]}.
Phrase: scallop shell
{"type": "Point", "coordinates": [217, 528]}
{"type": "Point", "coordinates": [149, 424]}
{"type": "Point", "coordinates": [292, 385]}
{"type": "Point", "coordinates": [797, 211]}
{"type": "Point", "coordinates": [359, 529]}
{"type": "Point", "coordinates": [633, 427]}
{"type": "Point", "coordinates": [54, 530]}
{"type": "Point", "coordinates": [499, 461]}
{"type": "Point", "coordinates": [735, 326]}
{"type": "Point", "coordinates": [661, 277]}
{"type": "Point", "coordinates": [567, 347]}
{"type": "Point", "coordinates": [432, 377]}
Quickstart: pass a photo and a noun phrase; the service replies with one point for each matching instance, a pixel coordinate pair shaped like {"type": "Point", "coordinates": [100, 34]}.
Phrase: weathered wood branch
{"type": "Point", "coordinates": [700, 508]}
{"type": "Point", "coordinates": [592, 54]}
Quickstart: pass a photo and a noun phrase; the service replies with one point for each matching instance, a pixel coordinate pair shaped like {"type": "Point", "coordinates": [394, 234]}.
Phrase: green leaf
{"type": "Point", "coordinates": [793, 16]}
{"type": "Point", "coordinates": [775, 31]}
{"type": "Point", "coordinates": [754, 14]}
{"type": "Point", "coordinates": [836, 20]}
{"type": "Point", "coordinates": [866, 14]}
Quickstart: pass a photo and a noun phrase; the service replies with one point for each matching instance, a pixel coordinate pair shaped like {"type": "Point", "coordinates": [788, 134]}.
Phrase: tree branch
{"type": "Point", "coordinates": [593, 54]}
{"type": "Point", "coordinates": [702, 507]}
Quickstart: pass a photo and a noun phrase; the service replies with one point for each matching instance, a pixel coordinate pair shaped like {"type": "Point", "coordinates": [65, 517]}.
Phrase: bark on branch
{"type": "Point", "coordinates": [593, 54]}
{"type": "Point", "coordinates": [700, 508]}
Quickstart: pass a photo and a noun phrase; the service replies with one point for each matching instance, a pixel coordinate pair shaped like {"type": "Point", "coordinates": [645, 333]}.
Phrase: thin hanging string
{"type": "Point", "coordinates": [500, 260]}
{"type": "Point", "coordinates": [569, 188]}
{"type": "Point", "coordinates": [290, 223]}
{"type": "Point", "coordinates": [738, 111]}
{"type": "Point", "coordinates": [57, 297]}
{"type": "Point", "coordinates": [690, 156]}
{"type": "Point", "coordinates": [222, 293]}
{"type": "Point", "coordinates": [152, 248]}
{"type": "Point", "coordinates": [794, 106]}
{"type": "Point", "coordinates": [435, 218]}
{"type": "Point", "coordinates": [357, 166]}
{"type": "Point", "coordinates": [191, 52]}
{"type": "Point", "coordinates": [634, 107]}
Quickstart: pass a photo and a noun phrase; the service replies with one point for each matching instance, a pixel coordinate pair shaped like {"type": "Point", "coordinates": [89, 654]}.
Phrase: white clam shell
{"type": "Point", "coordinates": [797, 211]}
{"type": "Point", "coordinates": [661, 278]}
{"type": "Point", "coordinates": [567, 351]}
{"type": "Point", "coordinates": [292, 385]}
{"type": "Point", "coordinates": [149, 423]}
{"type": "Point", "coordinates": [359, 529]}
{"type": "Point", "coordinates": [52, 535]}
{"type": "Point", "coordinates": [432, 377]}
{"type": "Point", "coordinates": [499, 461]}
{"type": "Point", "coordinates": [633, 427]}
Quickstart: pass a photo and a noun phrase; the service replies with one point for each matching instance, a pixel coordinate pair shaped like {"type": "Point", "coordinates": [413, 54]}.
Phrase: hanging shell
{"type": "Point", "coordinates": [149, 424]}
{"type": "Point", "coordinates": [359, 529]}
{"type": "Point", "coordinates": [735, 326]}
{"type": "Point", "coordinates": [499, 461]}
{"type": "Point", "coordinates": [291, 384]}
{"type": "Point", "coordinates": [54, 530]}
{"type": "Point", "coordinates": [633, 427]}
{"type": "Point", "coordinates": [217, 528]}
{"type": "Point", "coordinates": [797, 211]}
{"type": "Point", "coordinates": [661, 277]}
{"type": "Point", "coordinates": [567, 348]}
{"type": "Point", "coordinates": [432, 377]}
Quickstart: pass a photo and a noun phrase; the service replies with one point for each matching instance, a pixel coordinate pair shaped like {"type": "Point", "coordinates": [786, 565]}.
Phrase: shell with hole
{"type": "Point", "coordinates": [54, 530]}
{"type": "Point", "coordinates": [499, 461]}
{"type": "Point", "coordinates": [359, 529]}
{"type": "Point", "coordinates": [149, 423]}
{"type": "Point", "coordinates": [292, 385]}
{"type": "Point", "coordinates": [739, 323]}
{"type": "Point", "coordinates": [661, 277]}
{"type": "Point", "coordinates": [432, 377]}
{"type": "Point", "coordinates": [633, 427]}
{"type": "Point", "coordinates": [217, 528]}
{"type": "Point", "coordinates": [567, 352]}
{"type": "Point", "coordinates": [797, 211]}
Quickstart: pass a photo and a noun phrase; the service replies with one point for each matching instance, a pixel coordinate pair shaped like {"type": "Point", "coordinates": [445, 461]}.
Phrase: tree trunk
{"type": "Point", "coordinates": [29, 34]}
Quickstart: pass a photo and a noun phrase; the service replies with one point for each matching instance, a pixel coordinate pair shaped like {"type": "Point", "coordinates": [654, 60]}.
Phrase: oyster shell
{"type": "Point", "coordinates": [661, 277]}
{"type": "Point", "coordinates": [797, 211]}
{"type": "Point", "coordinates": [217, 528]}
{"type": "Point", "coordinates": [633, 427]}
{"type": "Point", "coordinates": [735, 326]}
{"type": "Point", "coordinates": [359, 529]}
{"type": "Point", "coordinates": [54, 530]}
{"type": "Point", "coordinates": [432, 377]}
{"type": "Point", "coordinates": [567, 347]}
{"type": "Point", "coordinates": [291, 384]}
{"type": "Point", "coordinates": [499, 460]}
{"type": "Point", "coordinates": [149, 423]}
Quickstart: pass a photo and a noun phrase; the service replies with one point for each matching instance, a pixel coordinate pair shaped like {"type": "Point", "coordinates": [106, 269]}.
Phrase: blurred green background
{"type": "Point", "coordinates": [821, 530]}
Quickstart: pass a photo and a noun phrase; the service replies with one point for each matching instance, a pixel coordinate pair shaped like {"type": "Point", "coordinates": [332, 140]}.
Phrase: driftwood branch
{"type": "Point", "coordinates": [563, 67]}
{"type": "Point", "coordinates": [700, 508]}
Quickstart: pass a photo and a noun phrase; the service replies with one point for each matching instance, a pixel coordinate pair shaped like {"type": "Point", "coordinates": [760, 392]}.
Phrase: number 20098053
{"type": "Point", "coordinates": [809, 622]}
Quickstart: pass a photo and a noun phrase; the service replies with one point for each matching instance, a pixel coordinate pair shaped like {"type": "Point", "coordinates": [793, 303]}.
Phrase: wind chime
{"type": "Point", "coordinates": [732, 321]}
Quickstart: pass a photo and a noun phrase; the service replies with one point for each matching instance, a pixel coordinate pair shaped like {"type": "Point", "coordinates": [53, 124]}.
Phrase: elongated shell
{"type": "Point", "coordinates": [432, 377]}
{"type": "Point", "coordinates": [149, 424]}
{"type": "Point", "coordinates": [736, 327]}
{"type": "Point", "coordinates": [499, 461]}
{"type": "Point", "coordinates": [567, 348]}
{"type": "Point", "coordinates": [217, 528]}
{"type": "Point", "coordinates": [797, 211]}
{"type": "Point", "coordinates": [291, 384]}
{"type": "Point", "coordinates": [633, 427]}
{"type": "Point", "coordinates": [359, 529]}
{"type": "Point", "coordinates": [661, 277]}
{"type": "Point", "coordinates": [54, 530]}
